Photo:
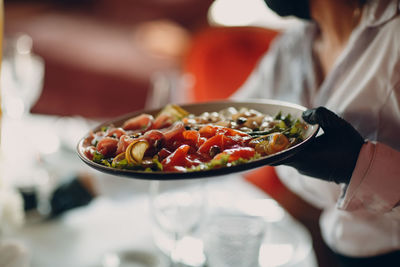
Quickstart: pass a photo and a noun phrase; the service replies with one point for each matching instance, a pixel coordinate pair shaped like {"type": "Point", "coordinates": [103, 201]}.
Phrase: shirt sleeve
{"type": "Point", "coordinates": [375, 182]}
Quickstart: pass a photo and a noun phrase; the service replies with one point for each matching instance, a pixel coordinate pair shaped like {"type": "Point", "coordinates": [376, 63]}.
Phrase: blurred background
{"type": "Point", "coordinates": [104, 56]}
{"type": "Point", "coordinates": [70, 64]}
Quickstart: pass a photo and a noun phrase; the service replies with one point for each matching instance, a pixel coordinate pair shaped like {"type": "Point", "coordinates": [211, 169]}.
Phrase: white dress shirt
{"type": "Point", "coordinates": [363, 87]}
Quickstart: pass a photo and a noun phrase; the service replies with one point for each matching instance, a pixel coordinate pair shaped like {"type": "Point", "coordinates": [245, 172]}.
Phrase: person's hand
{"type": "Point", "coordinates": [331, 156]}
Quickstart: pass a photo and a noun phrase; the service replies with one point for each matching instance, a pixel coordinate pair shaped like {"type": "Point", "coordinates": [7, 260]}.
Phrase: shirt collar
{"type": "Point", "coordinates": [377, 12]}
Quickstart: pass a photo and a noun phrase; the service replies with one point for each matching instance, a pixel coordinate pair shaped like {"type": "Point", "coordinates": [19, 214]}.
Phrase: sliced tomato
{"type": "Point", "coordinates": [163, 153]}
{"type": "Point", "coordinates": [237, 153]}
{"type": "Point", "coordinates": [211, 130]}
{"type": "Point", "coordinates": [195, 159]}
{"type": "Point", "coordinates": [221, 141]}
{"type": "Point", "coordinates": [207, 131]}
{"type": "Point", "coordinates": [191, 135]}
{"type": "Point", "coordinates": [192, 138]}
{"type": "Point", "coordinates": [141, 122]}
{"type": "Point", "coordinates": [202, 140]}
{"type": "Point", "coordinates": [233, 132]}
{"type": "Point", "coordinates": [107, 146]}
{"type": "Point", "coordinates": [177, 158]}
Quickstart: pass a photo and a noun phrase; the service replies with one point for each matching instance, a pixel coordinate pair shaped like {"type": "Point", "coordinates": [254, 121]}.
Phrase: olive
{"type": "Point", "coordinates": [214, 150]}
{"type": "Point", "coordinates": [241, 120]}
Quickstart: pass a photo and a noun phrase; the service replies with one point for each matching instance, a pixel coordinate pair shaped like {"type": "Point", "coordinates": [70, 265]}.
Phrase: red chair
{"type": "Point", "coordinates": [221, 59]}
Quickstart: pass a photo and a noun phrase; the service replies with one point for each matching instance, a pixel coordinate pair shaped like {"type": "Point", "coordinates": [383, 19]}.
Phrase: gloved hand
{"type": "Point", "coordinates": [331, 156]}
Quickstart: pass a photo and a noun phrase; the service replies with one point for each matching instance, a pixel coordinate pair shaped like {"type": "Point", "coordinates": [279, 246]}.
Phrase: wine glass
{"type": "Point", "coordinates": [178, 208]}
{"type": "Point", "coordinates": [22, 76]}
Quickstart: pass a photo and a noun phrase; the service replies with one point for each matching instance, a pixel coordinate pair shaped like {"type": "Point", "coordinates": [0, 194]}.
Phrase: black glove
{"type": "Point", "coordinates": [331, 156]}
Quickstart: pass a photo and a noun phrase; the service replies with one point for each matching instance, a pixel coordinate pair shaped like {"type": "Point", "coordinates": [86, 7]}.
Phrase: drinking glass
{"type": "Point", "coordinates": [177, 208]}
{"type": "Point", "coordinates": [22, 76]}
{"type": "Point", "coordinates": [234, 240]}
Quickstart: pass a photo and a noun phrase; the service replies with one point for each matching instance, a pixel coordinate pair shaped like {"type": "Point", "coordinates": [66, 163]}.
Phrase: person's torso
{"type": "Point", "coordinates": [364, 88]}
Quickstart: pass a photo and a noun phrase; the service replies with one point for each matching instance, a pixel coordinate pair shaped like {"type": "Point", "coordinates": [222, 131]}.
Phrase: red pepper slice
{"type": "Point", "coordinates": [212, 130]}
{"type": "Point", "coordinates": [163, 153]}
{"type": "Point", "coordinates": [218, 140]}
{"type": "Point", "coordinates": [177, 158]}
{"type": "Point", "coordinates": [192, 138]}
{"type": "Point", "coordinates": [237, 153]}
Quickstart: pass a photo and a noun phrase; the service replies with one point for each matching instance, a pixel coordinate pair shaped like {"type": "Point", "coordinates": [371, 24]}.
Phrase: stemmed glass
{"type": "Point", "coordinates": [22, 76]}
{"type": "Point", "coordinates": [178, 208]}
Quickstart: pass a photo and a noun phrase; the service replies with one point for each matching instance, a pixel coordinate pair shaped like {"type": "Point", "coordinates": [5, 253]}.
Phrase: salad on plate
{"type": "Point", "coordinates": [177, 141]}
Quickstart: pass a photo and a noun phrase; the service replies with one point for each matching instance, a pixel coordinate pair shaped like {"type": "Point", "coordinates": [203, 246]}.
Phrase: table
{"type": "Point", "coordinates": [83, 236]}
{"type": "Point", "coordinates": [119, 219]}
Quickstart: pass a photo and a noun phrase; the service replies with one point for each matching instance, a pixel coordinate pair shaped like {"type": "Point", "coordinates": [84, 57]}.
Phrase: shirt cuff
{"type": "Point", "coordinates": [375, 183]}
